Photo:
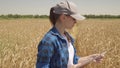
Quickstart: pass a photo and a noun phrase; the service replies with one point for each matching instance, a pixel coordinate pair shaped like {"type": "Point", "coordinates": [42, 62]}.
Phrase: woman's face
{"type": "Point", "coordinates": [69, 22]}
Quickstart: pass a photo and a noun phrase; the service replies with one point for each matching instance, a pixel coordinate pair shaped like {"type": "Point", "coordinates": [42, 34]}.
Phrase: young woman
{"type": "Point", "coordinates": [56, 49]}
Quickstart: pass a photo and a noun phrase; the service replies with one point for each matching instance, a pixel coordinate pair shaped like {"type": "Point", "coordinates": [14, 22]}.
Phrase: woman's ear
{"type": "Point", "coordinates": [62, 18]}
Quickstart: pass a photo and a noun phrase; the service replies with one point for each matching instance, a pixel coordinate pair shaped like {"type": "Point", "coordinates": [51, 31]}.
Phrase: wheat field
{"type": "Point", "coordinates": [19, 39]}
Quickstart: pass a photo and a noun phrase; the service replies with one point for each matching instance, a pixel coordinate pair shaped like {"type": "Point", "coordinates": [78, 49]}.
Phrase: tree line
{"type": "Point", "coordinates": [22, 16]}
{"type": "Point", "coordinates": [46, 16]}
{"type": "Point", "coordinates": [102, 16]}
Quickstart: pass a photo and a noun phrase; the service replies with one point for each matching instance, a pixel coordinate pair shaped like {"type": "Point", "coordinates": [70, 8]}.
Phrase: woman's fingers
{"type": "Point", "coordinates": [98, 60]}
{"type": "Point", "coordinates": [97, 57]}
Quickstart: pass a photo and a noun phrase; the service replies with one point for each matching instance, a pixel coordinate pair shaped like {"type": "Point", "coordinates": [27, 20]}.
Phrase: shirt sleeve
{"type": "Point", "coordinates": [45, 52]}
{"type": "Point", "coordinates": [76, 58]}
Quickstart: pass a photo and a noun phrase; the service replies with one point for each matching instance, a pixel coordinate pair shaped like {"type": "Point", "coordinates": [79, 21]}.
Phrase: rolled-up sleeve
{"type": "Point", "coordinates": [45, 52]}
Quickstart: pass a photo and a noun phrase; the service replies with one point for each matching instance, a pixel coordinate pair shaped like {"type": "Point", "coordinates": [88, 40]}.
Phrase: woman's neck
{"type": "Point", "coordinates": [60, 28]}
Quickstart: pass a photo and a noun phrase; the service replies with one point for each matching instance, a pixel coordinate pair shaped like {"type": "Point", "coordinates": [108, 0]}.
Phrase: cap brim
{"type": "Point", "coordinates": [78, 16]}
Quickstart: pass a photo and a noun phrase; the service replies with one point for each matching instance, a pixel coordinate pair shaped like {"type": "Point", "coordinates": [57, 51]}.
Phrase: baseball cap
{"type": "Point", "coordinates": [68, 8]}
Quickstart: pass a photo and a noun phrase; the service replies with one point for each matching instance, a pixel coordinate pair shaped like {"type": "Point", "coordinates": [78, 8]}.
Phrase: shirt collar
{"type": "Point", "coordinates": [54, 31]}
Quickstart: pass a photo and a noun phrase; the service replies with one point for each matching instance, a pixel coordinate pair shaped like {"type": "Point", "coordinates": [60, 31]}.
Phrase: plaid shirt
{"type": "Point", "coordinates": [53, 51]}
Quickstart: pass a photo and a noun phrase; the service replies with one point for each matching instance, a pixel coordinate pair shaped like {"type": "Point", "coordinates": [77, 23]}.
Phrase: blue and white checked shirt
{"type": "Point", "coordinates": [53, 51]}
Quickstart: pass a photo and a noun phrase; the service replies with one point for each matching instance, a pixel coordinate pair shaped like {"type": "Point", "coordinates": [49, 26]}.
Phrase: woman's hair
{"type": "Point", "coordinates": [53, 17]}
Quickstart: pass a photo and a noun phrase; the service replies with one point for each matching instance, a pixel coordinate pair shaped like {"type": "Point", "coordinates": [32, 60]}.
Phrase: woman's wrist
{"type": "Point", "coordinates": [90, 57]}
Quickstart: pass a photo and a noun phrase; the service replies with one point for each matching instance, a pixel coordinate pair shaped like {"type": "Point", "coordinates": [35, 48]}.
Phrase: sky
{"type": "Point", "coordinates": [42, 7]}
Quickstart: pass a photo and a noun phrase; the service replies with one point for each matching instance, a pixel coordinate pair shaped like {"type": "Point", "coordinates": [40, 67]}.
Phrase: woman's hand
{"type": "Point", "coordinates": [97, 57]}
{"type": "Point", "coordinates": [86, 60]}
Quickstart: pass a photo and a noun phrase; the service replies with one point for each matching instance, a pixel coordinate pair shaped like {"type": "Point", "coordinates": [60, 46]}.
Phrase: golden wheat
{"type": "Point", "coordinates": [19, 39]}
